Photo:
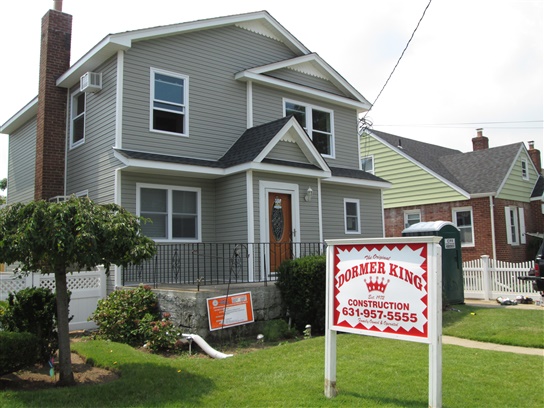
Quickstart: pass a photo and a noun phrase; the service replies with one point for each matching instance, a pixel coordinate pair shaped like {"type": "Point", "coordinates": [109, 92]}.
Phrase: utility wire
{"type": "Point", "coordinates": [395, 67]}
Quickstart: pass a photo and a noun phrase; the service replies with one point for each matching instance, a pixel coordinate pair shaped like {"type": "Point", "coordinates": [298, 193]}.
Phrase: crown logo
{"type": "Point", "coordinates": [377, 285]}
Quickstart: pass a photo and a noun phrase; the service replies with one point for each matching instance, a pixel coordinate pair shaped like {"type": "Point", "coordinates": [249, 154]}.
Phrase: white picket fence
{"type": "Point", "coordinates": [86, 288]}
{"type": "Point", "coordinates": [489, 279]}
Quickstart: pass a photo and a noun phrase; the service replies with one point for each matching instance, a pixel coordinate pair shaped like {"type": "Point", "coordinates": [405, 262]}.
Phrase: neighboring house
{"type": "Point", "coordinates": [493, 195]}
{"type": "Point", "coordinates": [224, 130]}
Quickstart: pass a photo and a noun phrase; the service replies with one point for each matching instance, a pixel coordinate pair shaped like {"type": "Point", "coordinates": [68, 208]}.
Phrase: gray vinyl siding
{"type": "Point", "coordinates": [22, 163]}
{"type": "Point", "coordinates": [217, 102]}
{"type": "Point", "coordinates": [291, 75]}
{"type": "Point", "coordinates": [287, 151]}
{"type": "Point", "coordinates": [371, 220]}
{"type": "Point", "coordinates": [231, 209]}
{"type": "Point", "coordinates": [207, 198]}
{"type": "Point", "coordinates": [268, 106]}
{"type": "Point", "coordinates": [91, 166]}
{"type": "Point", "coordinates": [309, 213]}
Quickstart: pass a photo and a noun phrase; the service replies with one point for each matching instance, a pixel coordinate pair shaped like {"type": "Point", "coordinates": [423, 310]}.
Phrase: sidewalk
{"type": "Point", "coordinates": [456, 341]}
{"type": "Point", "coordinates": [491, 346]}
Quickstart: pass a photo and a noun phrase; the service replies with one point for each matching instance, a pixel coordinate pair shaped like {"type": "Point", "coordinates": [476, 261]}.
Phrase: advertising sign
{"type": "Point", "coordinates": [381, 289]}
{"type": "Point", "coordinates": [385, 287]}
{"type": "Point", "coordinates": [228, 311]}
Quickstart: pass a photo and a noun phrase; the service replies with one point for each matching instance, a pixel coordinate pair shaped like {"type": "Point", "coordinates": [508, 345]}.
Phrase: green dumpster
{"type": "Point", "coordinates": [452, 262]}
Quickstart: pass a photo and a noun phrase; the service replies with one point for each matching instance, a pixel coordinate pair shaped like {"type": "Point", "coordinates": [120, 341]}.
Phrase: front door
{"type": "Point", "coordinates": [280, 229]}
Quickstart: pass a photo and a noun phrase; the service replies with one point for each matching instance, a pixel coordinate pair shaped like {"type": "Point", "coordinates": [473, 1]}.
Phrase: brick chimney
{"type": "Point", "coordinates": [480, 142]}
{"type": "Point", "coordinates": [535, 156]}
{"type": "Point", "coordinates": [56, 37]}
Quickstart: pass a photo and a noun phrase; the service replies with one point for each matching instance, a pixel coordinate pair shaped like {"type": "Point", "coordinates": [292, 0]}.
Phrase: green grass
{"type": "Point", "coordinates": [515, 327]}
{"type": "Point", "coordinates": [371, 372]}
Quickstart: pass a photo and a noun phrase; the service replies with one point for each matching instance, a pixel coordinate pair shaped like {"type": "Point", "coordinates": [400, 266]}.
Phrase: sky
{"type": "Point", "coordinates": [470, 64]}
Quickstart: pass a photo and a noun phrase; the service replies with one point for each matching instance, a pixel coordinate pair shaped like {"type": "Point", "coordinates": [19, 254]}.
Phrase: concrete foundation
{"type": "Point", "coordinates": [188, 308]}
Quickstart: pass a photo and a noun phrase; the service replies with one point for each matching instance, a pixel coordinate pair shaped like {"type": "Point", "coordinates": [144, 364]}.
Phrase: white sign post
{"type": "Point", "coordinates": [386, 287]}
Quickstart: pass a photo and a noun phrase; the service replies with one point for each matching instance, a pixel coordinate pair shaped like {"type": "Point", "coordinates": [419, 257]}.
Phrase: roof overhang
{"type": "Point", "coordinates": [381, 185]}
{"type": "Point", "coordinates": [29, 111]}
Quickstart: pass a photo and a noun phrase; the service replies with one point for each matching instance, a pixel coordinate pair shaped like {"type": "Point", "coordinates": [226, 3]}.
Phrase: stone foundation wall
{"type": "Point", "coordinates": [188, 308]}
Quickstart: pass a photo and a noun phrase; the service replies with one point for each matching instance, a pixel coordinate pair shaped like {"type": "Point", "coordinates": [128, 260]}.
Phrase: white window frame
{"type": "Point", "coordinates": [524, 169]}
{"type": "Point", "coordinates": [410, 212]}
{"type": "Point", "coordinates": [357, 204]}
{"type": "Point", "coordinates": [309, 108]}
{"type": "Point", "coordinates": [454, 212]}
{"type": "Point", "coordinates": [185, 104]}
{"type": "Point", "coordinates": [170, 189]}
{"type": "Point", "coordinates": [74, 117]}
{"type": "Point", "coordinates": [512, 225]}
{"type": "Point", "coordinates": [371, 159]}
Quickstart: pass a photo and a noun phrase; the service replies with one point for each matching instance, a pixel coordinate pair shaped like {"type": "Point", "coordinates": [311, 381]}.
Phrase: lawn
{"type": "Point", "coordinates": [514, 327]}
{"type": "Point", "coordinates": [371, 372]}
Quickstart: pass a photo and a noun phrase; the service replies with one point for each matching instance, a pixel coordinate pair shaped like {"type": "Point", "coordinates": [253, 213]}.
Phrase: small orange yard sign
{"type": "Point", "coordinates": [231, 310]}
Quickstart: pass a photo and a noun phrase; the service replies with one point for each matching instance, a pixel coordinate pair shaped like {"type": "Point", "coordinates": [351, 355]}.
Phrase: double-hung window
{"type": "Point", "coordinates": [318, 123]}
{"type": "Point", "coordinates": [77, 119]}
{"type": "Point", "coordinates": [351, 216]}
{"type": "Point", "coordinates": [515, 225]}
{"type": "Point", "coordinates": [174, 212]}
{"type": "Point", "coordinates": [169, 92]}
{"type": "Point", "coordinates": [462, 218]}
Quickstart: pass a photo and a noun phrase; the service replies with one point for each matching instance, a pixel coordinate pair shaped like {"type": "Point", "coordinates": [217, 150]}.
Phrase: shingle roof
{"type": "Point", "coordinates": [352, 173]}
{"type": "Point", "coordinates": [481, 171]}
{"type": "Point", "coordinates": [538, 191]}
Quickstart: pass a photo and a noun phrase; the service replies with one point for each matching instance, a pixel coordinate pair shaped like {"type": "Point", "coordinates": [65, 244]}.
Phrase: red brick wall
{"type": "Point", "coordinates": [394, 225]}
{"type": "Point", "coordinates": [51, 126]}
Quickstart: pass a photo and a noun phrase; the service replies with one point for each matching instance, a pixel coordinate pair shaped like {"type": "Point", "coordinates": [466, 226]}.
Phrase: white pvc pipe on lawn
{"type": "Point", "coordinates": [209, 350]}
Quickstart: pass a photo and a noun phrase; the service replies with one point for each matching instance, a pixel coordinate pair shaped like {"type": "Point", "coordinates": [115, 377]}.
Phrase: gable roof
{"type": "Point", "coordinates": [477, 172]}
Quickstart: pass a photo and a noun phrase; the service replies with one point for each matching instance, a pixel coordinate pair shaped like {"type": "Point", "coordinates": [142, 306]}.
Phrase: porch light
{"type": "Point", "coordinates": [308, 196]}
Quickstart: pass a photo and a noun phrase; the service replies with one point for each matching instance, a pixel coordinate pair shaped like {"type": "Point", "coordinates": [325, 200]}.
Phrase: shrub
{"type": "Point", "coordinates": [33, 310]}
{"type": "Point", "coordinates": [119, 315]}
{"type": "Point", "coordinates": [302, 285]}
{"type": "Point", "coordinates": [160, 335]}
{"type": "Point", "coordinates": [18, 351]}
{"type": "Point", "coordinates": [277, 329]}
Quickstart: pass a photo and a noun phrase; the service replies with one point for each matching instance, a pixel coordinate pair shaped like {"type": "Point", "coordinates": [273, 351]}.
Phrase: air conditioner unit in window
{"type": "Point", "coordinates": [90, 82]}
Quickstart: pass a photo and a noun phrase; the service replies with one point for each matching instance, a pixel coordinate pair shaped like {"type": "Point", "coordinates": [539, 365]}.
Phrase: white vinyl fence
{"type": "Point", "coordinates": [86, 288]}
{"type": "Point", "coordinates": [487, 279]}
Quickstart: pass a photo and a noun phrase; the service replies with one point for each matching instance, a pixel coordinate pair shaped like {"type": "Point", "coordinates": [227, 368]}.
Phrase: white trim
{"type": "Point", "coordinates": [117, 187]}
{"type": "Point", "coordinates": [266, 187]}
{"type": "Point", "coordinates": [358, 182]}
{"type": "Point", "coordinates": [185, 78]}
{"type": "Point", "coordinates": [357, 202]}
{"type": "Point", "coordinates": [522, 231]}
{"type": "Point", "coordinates": [119, 99]}
{"type": "Point", "coordinates": [309, 117]}
{"type": "Point", "coordinates": [249, 104]}
{"type": "Point", "coordinates": [302, 90]}
{"type": "Point", "coordinates": [455, 210]}
{"type": "Point", "coordinates": [170, 189]}
{"type": "Point", "coordinates": [250, 222]}
{"type": "Point", "coordinates": [320, 210]}
{"type": "Point", "coordinates": [492, 219]}
{"type": "Point", "coordinates": [82, 193]}
{"type": "Point", "coordinates": [511, 210]}
{"type": "Point", "coordinates": [73, 96]}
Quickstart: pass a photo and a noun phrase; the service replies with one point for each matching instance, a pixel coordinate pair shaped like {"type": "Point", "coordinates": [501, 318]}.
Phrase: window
{"type": "Point", "coordinates": [462, 217]}
{"type": "Point", "coordinates": [367, 164]}
{"type": "Point", "coordinates": [515, 225]}
{"type": "Point", "coordinates": [77, 119]}
{"type": "Point", "coordinates": [317, 122]}
{"type": "Point", "coordinates": [169, 102]}
{"type": "Point", "coordinates": [351, 216]}
{"type": "Point", "coordinates": [411, 217]}
{"type": "Point", "coordinates": [174, 212]}
{"type": "Point", "coordinates": [524, 170]}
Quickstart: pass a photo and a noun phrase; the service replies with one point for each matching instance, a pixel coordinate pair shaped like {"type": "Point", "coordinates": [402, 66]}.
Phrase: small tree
{"type": "Point", "coordinates": [73, 235]}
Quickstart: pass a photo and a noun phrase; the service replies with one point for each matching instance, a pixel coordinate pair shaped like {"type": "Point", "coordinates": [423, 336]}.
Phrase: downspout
{"type": "Point", "coordinates": [492, 216]}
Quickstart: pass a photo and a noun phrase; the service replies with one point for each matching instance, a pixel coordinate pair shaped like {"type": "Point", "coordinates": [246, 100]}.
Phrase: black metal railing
{"type": "Point", "coordinates": [216, 263]}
